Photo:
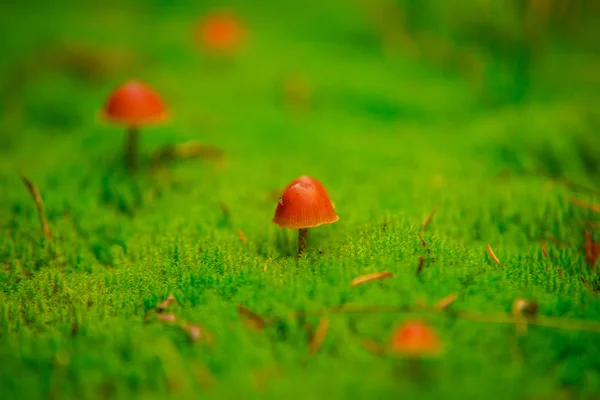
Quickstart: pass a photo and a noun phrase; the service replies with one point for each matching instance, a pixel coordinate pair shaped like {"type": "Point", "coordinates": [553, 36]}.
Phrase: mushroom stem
{"type": "Point", "coordinates": [414, 368]}
{"type": "Point", "coordinates": [302, 240]}
{"type": "Point", "coordinates": [131, 149]}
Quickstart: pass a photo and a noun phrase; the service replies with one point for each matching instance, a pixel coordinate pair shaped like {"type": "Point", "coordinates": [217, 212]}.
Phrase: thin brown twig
{"type": "Point", "coordinates": [491, 253]}
{"type": "Point", "coordinates": [585, 204]}
{"type": "Point", "coordinates": [587, 285]}
{"type": "Point", "coordinates": [39, 204]}
{"type": "Point", "coordinates": [475, 316]}
{"type": "Point", "coordinates": [370, 277]}
{"type": "Point", "coordinates": [428, 218]}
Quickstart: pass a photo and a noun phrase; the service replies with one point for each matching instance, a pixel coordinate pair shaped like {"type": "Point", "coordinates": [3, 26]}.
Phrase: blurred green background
{"type": "Point", "coordinates": [486, 110]}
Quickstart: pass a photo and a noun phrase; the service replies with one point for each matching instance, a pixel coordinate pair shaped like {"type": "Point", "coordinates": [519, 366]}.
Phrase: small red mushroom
{"type": "Point", "coordinates": [415, 340]}
{"type": "Point", "coordinates": [134, 104]}
{"type": "Point", "coordinates": [220, 32]}
{"type": "Point", "coordinates": [304, 204]}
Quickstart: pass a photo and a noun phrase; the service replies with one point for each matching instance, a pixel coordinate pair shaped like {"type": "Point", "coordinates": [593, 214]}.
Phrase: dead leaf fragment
{"type": "Point", "coordinates": [251, 319]}
{"type": "Point", "coordinates": [167, 317]}
{"type": "Point", "coordinates": [197, 332]}
{"type": "Point", "coordinates": [163, 305]}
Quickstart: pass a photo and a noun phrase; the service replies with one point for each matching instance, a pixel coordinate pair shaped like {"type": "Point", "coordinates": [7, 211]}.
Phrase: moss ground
{"type": "Point", "coordinates": [391, 137]}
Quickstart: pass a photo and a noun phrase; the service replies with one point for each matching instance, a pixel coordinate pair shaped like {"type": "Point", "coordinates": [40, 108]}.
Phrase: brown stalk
{"type": "Point", "coordinates": [370, 277]}
{"type": "Point", "coordinates": [428, 218]}
{"type": "Point", "coordinates": [39, 204]}
{"type": "Point", "coordinates": [491, 252]}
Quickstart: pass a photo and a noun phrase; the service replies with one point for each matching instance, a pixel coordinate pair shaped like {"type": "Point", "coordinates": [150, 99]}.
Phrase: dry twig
{"type": "Point", "coordinates": [39, 204]}
{"type": "Point", "coordinates": [421, 265]}
{"type": "Point", "coordinates": [428, 218]}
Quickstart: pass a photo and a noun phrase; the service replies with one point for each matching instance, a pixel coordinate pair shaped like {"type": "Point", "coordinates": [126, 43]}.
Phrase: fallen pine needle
{"type": "Point", "coordinates": [421, 264]}
{"type": "Point", "coordinates": [163, 305]}
{"type": "Point", "coordinates": [423, 243]}
{"type": "Point", "coordinates": [585, 204]}
{"type": "Point", "coordinates": [373, 347]}
{"type": "Point", "coordinates": [544, 251]}
{"type": "Point", "coordinates": [39, 204]}
{"type": "Point", "coordinates": [428, 218]}
{"type": "Point", "coordinates": [251, 319]}
{"type": "Point", "coordinates": [370, 277]}
{"type": "Point", "coordinates": [491, 252]}
{"type": "Point", "coordinates": [446, 302]}
{"type": "Point", "coordinates": [320, 334]}
{"type": "Point", "coordinates": [242, 236]}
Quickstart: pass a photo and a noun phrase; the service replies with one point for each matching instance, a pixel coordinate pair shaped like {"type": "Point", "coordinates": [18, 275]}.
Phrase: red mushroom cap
{"type": "Point", "coordinates": [221, 31]}
{"type": "Point", "coordinates": [134, 103]}
{"type": "Point", "coordinates": [415, 338]}
{"type": "Point", "coordinates": [304, 204]}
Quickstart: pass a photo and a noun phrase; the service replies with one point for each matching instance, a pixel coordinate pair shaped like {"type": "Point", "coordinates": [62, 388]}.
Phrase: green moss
{"type": "Point", "coordinates": [390, 137]}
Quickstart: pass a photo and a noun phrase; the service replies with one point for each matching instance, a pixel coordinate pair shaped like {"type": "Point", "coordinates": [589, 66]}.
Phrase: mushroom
{"type": "Point", "coordinates": [304, 204]}
{"type": "Point", "coordinates": [415, 340]}
{"type": "Point", "coordinates": [220, 32]}
{"type": "Point", "coordinates": [134, 104]}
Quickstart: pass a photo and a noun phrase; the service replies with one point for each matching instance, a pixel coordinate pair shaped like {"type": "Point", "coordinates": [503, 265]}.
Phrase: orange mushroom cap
{"type": "Point", "coordinates": [304, 204]}
{"type": "Point", "coordinates": [415, 338]}
{"type": "Point", "coordinates": [134, 103]}
{"type": "Point", "coordinates": [221, 31]}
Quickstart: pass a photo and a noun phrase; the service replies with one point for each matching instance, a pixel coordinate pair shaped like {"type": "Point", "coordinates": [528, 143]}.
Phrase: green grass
{"type": "Point", "coordinates": [390, 137]}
